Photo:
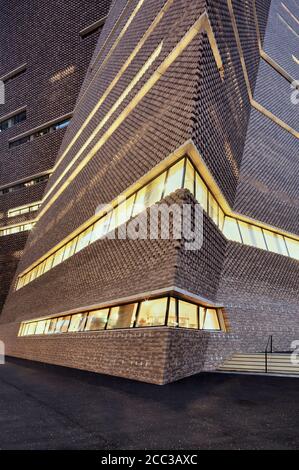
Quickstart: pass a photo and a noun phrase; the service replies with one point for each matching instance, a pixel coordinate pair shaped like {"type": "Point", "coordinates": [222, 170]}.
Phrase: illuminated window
{"type": "Point", "coordinates": [172, 313]}
{"type": "Point", "coordinates": [122, 213]}
{"type": "Point", "coordinates": [231, 230]}
{"type": "Point", "coordinates": [149, 195]}
{"type": "Point", "coordinates": [78, 322]}
{"type": "Point", "coordinates": [202, 316]}
{"type": "Point", "coordinates": [252, 235]}
{"type": "Point", "coordinates": [211, 321]}
{"type": "Point", "coordinates": [84, 239]}
{"type": "Point", "coordinates": [188, 315]}
{"type": "Point", "coordinates": [58, 257]}
{"type": "Point", "coordinates": [213, 209]}
{"type": "Point", "coordinates": [70, 249]}
{"type": "Point", "coordinates": [152, 313]}
{"type": "Point", "coordinates": [97, 320]}
{"type": "Point", "coordinates": [189, 177]}
{"type": "Point", "coordinates": [275, 243]}
{"type": "Point", "coordinates": [31, 328]}
{"type": "Point", "coordinates": [40, 327]}
{"type": "Point", "coordinates": [62, 324]}
{"type": "Point", "coordinates": [52, 326]}
{"type": "Point", "coordinates": [293, 247]}
{"type": "Point", "coordinates": [201, 193]}
{"type": "Point", "coordinates": [174, 178]}
{"type": "Point", "coordinates": [100, 228]}
{"type": "Point", "coordinates": [221, 219]}
{"type": "Point", "coordinates": [122, 317]}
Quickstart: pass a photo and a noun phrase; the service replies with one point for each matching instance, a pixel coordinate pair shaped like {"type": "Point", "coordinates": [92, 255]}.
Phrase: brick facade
{"type": "Point", "coordinates": [250, 156]}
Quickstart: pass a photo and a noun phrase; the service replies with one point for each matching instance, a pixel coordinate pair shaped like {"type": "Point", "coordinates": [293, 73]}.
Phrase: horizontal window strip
{"type": "Point", "coordinates": [24, 184]}
{"type": "Point", "coordinates": [13, 120]}
{"type": "Point", "coordinates": [40, 132]}
{"type": "Point", "coordinates": [181, 174]}
{"type": "Point", "coordinates": [16, 229]}
{"type": "Point", "coordinates": [159, 312]}
{"type": "Point", "coordinates": [28, 208]}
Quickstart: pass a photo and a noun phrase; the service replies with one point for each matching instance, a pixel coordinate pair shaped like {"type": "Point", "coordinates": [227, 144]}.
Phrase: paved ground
{"type": "Point", "coordinates": [48, 407]}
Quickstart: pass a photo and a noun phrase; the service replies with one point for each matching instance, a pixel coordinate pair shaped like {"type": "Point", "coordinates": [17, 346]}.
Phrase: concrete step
{"type": "Point", "coordinates": [278, 364]}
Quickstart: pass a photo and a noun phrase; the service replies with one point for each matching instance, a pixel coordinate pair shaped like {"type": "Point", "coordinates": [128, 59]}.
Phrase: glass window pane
{"type": "Point", "coordinates": [70, 249]}
{"type": "Point", "coordinates": [213, 209]}
{"type": "Point", "coordinates": [48, 322]}
{"type": "Point", "coordinates": [252, 235]}
{"type": "Point", "coordinates": [78, 322]}
{"type": "Point", "coordinates": [293, 247]}
{"type": "Point", "coordinates": [149, 195]}
{"type": "Point", "coordinates": [62, 324]}
{"type": "Point", "coordinates": [100, 228]}
{"type": "Point", "coordinates": [84, 239]}
{"type": "Point", "coordinates": [40, 327]}
{"type": "Point", "coordinates": [172, 317]}
{"type": "Point", "coordinates": [211, 320]}
{"type": "Point", "coordinates": [122, 213]}
{"type": "Point", "coordinates": [231, 230]}
{"type": "Point", "coordinates": [31, 328]}
{"type": "Point", "coordinates": [202, 314]}
{"type": "Point", "coordinates": [58, 257]}
{"type": "Point", "coordinates": [275, 243]}
{"type": "Point", "coordinates": [122, 317]}
{"type": "Point", "coordinates": [52, 326]}
{"type": "Point", "coordinates": [221, 218]}
{"type": "Point", "coordinates": [189, 177]}
{"type": "Point", "coordinates": [188, 317]}
{"type": "Point", "coordinates": [152, 313]}
{"type": "Point", "coordinates": [97, 320]}
{"type": "Point", "coordinates": [48, 264]}
{"type": "Point", "coordinates": [174, 178]}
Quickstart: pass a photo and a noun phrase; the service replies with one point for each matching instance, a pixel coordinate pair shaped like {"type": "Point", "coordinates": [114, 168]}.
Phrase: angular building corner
{"type": "Point", "coordinates": [184, 103]}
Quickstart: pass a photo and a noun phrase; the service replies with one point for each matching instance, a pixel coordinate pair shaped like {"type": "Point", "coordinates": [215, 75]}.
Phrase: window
{"type": "Point", "coordinates": [62, 324]}
{"type": "Point", "coordinates": [201, 193]}
{"type": "Point", "coordinates": [231, 230]}
{"type": "Point", "coordinates": [275, 243]}
{"type": "Point", "coordinates": [293, 247]}
{"type": "Point", "coordinates": [12, 121]}
{"type": "Point", "coordinates": [152, 313]}
{"type": "Point", "coordinates": [174, 178]}
{"type": "Point", "coordinates": [213, 209]}
{"type": "Point", "coordinates": [100, 228]}
{"type": "Point", "coordinates": [188, 315]}
{"type": "Point", "coordinates": [252, 235]}
{"type": "Point", "coordinates": [40, 133]}
{"type": "Point", "coordinates": [189, 177]}
{"type": "Point", "coordinates": [148, 313]}
{"type": "Point", "coordinates": [97, 320]}
{"type": "Point", "coordinates": [172, 313]}
{"type": "Point", "coordinates": [84, 239]}
{"type": "Point", "coordinates": [122, 317]}
{"type": "Point", "coordinates": [211, 321]}
{"type": "Point", "coordinates": [78, 322]}
{"type": "Point", "coordinates": [26, 184]}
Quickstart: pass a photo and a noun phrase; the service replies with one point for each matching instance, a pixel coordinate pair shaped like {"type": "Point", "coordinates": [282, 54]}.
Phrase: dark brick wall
{"type": "Point", "coordinates": [45, 35]}
{"type": "Point", "coordinates": [11, 250]}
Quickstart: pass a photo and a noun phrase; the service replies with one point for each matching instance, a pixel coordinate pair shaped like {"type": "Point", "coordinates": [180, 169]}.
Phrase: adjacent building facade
{"type": "Point", "coordinates": [184, 103]}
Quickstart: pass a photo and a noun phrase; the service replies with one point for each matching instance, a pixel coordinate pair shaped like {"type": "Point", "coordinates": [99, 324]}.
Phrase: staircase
{"type": "Point", "coordinates": [275, 364]}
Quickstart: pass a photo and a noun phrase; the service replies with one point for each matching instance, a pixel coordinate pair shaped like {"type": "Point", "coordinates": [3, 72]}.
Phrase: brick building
{"type": "Point", "coordinates": [183, 102]}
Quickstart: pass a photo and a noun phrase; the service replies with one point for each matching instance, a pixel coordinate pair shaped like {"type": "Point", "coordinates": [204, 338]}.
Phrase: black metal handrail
{"type": "Point", "coordinates": [267, 352]}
